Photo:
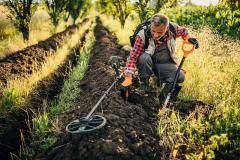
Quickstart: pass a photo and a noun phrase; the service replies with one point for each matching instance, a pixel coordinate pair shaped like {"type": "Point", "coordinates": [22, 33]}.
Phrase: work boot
{"type": "Point", "coordinates": [144, 85]}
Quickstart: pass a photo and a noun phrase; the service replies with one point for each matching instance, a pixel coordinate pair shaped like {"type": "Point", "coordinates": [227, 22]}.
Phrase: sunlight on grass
{"type": "Point", "coordinates": [115, 27]}
{"type": "Point", "coordinates": [41, 28]}
{"type": "Point", "coordinates": [212, 70]}
{"type": "Point", "coordinates": [70, 90]}
{"type": "Point", "coordinates": [25, 86]}
{"type": "Point", "coordinates": [212, 77]}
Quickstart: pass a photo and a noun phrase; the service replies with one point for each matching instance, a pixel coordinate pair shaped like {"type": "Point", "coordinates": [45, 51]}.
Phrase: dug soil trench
{"type": "Point", "coordinates": [23, 63]}
{"type": "Point", "coordinates": [130, 132]}
{"type": "Point", "coordinates": [18, 120]}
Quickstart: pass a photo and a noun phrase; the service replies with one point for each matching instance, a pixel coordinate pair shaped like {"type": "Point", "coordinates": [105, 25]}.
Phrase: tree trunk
{"type": "Point", "coordinates": [55, 23]}
{"type": "Point", "coordinates": [122, 21]}
{"type": "Point", "coordinates": [25, 33]}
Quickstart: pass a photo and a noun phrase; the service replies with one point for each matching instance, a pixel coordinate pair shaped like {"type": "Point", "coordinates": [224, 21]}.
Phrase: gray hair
{"type": "Point", "coordinates": [160, 19]}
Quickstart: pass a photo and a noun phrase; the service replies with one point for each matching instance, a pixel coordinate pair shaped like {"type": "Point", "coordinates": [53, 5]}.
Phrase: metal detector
{"type": "Point", "coordinates": [93, 122]}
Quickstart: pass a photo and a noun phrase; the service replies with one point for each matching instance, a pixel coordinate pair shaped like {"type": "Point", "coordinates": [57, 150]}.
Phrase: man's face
{"type": "Point", "coordinates": [158, 31]}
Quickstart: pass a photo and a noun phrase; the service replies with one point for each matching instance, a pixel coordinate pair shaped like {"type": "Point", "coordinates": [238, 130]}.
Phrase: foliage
{"type": "Point", "coordinates": [233, 4]}
{"type": "Point", "coordinates": [8, 99]}
{"type": "Point", "coordinates": [122, 34]}
{"type": "Point", "coordinates": [55, 9]}
{"type": "Point", "coordinates": [143, 9]}
{"type": "Point", "coordinates": [70, 90]}
{"type": "Point", "coordinates": [21, 13]}
{"type": "Point", "coordinates": [223, 17]}
{"type": "Point", "coordinates": [40, 132]}
{"type": "Point", "coordinates": [118, 9]}
{"type": "Point", "coordinates": [147, 8]}
{"type": "Point", "coordinates": [75, 8]}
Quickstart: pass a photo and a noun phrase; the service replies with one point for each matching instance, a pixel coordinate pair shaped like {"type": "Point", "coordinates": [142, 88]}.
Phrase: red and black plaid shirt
{"type": "Point", "coordinates": [138, 48]}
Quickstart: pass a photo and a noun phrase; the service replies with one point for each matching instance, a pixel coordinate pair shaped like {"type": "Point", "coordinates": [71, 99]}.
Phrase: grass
{"type": "Point", "coordinates": [23, 86]}
{"type": "Point", "coordinates": [70, 90]}
{"type": "Point", "coordinates": [212, 77]}
{"type": "Point", "coordinates": [46, 125]}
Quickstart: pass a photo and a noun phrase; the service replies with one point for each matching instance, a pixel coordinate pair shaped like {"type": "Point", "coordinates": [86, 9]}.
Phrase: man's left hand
{"type": "Point", "coordinates": [194, 41]}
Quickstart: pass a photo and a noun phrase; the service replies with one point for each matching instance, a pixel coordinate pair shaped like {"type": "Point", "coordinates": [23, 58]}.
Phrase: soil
{"type": "Point", "coordinates": [130, 132]}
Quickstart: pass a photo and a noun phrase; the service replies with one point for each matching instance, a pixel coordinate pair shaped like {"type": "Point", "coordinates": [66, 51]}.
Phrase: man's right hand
{"type": "Point", "coordinates": [127, 80]}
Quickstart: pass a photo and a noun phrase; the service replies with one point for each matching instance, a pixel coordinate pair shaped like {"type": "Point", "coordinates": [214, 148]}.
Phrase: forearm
{"type": "Point", "coordinates": [134, 54]}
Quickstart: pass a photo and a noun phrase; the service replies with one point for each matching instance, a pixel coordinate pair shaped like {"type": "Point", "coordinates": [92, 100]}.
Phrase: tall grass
{"type": "Point", "coordinates": [212, 77]}
{"type": "Point", "coordinates": [70, 90]}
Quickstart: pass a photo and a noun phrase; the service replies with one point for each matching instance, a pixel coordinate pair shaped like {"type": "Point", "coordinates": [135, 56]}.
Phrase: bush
{"type": "Point", "coordinates": [221, 17]}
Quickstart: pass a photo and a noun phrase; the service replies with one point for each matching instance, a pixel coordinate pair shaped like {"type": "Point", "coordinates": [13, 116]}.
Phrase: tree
{"type": "Point", "coordinates": [76, 8]}
{"type": "Point", "coordinates": [55, 9]}
{"type": "Point", "coordinates": [119, 9]}
{"type": "Point", "coordinates": [143, 8]}
{"type": "Point", "coordinates": [21, 12]}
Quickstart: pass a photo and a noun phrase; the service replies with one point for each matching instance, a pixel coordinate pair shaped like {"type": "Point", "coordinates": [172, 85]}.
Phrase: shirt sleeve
{"type": "Point", "coordinates": [181, 32]}
{"type": "Point", "coordinates": [137, 50]}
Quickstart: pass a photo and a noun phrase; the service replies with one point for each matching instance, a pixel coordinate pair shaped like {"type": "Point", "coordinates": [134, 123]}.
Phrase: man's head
{"type": "Point", "coordinates": [159, 26]}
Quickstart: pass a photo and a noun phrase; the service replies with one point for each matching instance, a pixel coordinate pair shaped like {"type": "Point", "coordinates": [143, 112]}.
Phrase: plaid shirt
{"type": "Point", "coordinates": [138, 48]}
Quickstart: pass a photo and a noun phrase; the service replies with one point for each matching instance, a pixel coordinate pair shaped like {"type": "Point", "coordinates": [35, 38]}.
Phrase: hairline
{"type": "Point", "coordinates": [159, 19]}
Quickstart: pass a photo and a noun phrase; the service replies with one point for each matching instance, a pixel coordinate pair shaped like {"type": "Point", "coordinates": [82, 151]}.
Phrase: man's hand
{"type": "Point", "coordinates": [127, 80]}
{"type": "Point", "coordinates": [194, 41]}
{"type": "Point", "coordinates": [125, 87]}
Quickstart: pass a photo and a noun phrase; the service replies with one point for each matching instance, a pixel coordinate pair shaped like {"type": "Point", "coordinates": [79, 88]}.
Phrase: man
{"type": "Point", "coordinates": [159, 57]}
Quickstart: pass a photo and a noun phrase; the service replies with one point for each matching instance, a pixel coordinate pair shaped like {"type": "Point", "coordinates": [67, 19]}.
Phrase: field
{"type": "Point", "coordinates": [62, 71]}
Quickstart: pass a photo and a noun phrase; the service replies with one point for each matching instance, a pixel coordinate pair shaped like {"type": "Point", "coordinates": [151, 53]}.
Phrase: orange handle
{"type": "Point", "coordinates": [187, 48]}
